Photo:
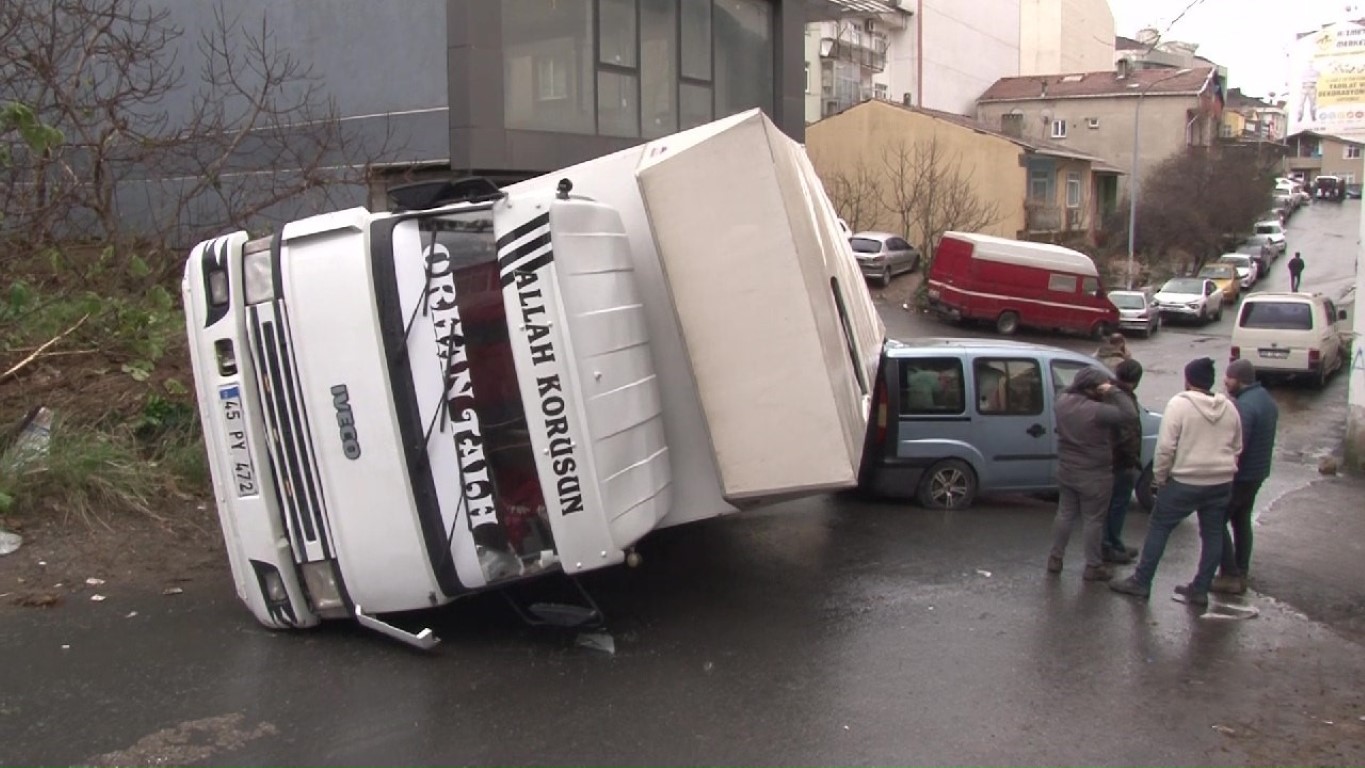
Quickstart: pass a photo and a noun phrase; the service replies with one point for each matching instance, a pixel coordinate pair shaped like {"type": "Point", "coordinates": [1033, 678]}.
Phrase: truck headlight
{"type": "Point", "coordinates": [258, 277]}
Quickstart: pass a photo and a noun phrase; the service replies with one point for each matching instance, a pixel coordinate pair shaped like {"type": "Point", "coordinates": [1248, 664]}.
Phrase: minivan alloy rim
{"type": "Point", "coordinates": [949, 486]}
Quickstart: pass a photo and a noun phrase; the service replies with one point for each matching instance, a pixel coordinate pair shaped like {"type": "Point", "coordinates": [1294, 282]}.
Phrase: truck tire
{"type": "Point", "coordinates": [1007, 323]}
{"type": "Point", "coordinates": [949, 484]}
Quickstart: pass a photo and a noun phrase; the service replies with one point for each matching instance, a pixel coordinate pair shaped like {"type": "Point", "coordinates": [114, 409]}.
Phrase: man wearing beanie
{"type": "Point", "coordinates": [1085, 474]}
{"type": "Point", "coordinates": [1259, 416]}
{"type": "Point", "coordinates": [1196, 459]}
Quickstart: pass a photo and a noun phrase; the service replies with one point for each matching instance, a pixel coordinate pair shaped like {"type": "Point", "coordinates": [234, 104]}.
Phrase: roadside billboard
{"type": "Point", "coordinates": [1327, 81]}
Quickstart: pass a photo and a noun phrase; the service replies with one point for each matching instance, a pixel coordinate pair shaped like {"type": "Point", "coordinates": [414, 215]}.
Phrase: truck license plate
{"type": "Point", "coordinates": [234, 426]}
{"type": "Point", "coordinates": [1275, 354]}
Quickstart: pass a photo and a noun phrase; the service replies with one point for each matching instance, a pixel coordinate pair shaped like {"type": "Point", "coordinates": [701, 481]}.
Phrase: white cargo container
{"type": "Point", "coordinates": [405, 407]}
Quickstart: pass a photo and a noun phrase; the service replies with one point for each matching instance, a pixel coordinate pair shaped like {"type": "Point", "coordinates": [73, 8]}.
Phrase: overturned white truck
{"type": "Point", "coordinates": [405, 407]}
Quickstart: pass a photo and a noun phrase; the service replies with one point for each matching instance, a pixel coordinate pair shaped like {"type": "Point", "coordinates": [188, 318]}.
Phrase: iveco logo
{"type": "Point", "coordinates": [350, 441]}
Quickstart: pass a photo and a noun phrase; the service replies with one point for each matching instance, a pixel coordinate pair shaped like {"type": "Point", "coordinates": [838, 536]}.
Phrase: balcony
{"type": "Point", "coordinates": [869, 52]}
{"type": "Point", "coordinates": [1041, 217]}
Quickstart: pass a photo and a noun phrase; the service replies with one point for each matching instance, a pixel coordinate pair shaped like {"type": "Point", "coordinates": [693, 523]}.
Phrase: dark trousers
{"type": "Point", "coordinates": [1174, 503]}
{"type": "Point", "coordinates": [1237, 544]}
{"type": "Point", "coordinates": [1120, 497]}
{"type": "Point", "coordinates": [1294, 281]}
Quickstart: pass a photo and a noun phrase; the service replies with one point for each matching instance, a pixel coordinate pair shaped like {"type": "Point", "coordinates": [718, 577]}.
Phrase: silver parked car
{"type": "Point", "coordinates": [956, 417]}
{"type": "Point", "coordinates": [882, 255]}
{"type": "Point", "coordinates": [1137, 311]}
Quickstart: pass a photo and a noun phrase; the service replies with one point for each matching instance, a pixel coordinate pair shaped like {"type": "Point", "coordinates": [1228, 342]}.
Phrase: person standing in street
{"type": "Point", "coordinates": [1295, 272]}
{"type": "Point", "coordinates": [1196, 459]}
{"type": "Point", "coordinates": [1260, 417]}
{"type": "Point", "coordinates": [1127, 460]}
{"type": "Point", "coordinates": [1113, 351]}
{"type": "Point", "coordinates": [1085, 476]}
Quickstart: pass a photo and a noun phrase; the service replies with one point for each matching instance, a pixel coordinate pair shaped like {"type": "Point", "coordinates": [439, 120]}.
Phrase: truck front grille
{"type": "Point", "coordinates": [293, 463]}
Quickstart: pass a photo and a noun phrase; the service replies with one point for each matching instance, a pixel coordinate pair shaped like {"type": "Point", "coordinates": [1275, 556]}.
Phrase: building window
{"type": "Point", "coordinates": [696, 39]}
{"type": "Point", "coordinates": [658, 67]}
{"type": "Point", "coordinates": [616, 32]}
{"type": "Point", "coordinates": [879, 90]}
{"type": "Point", "coordinates": [1012, 124]}
{"type": "Point", "coordinates": [1352, 152]}
{"type": "Point", "coordinates": [548, 66]}
{"type": "Point", "coordinates": [1073, 189]}
{"type": "Point", "coordinates": [618, 109]}
{"type": "Point", "coordinates": [808, 77]}
{"type": "Point", "coordinates": [1039, 186]}
{"type": "Point", "coordinates": [743, 51]}
{"type": "Point", "coordinates": [694, 105]}
{"type": "Point", "coordinates": [1059, 129]}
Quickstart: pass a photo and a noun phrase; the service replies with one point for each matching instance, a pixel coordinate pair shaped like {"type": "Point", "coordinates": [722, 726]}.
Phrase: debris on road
{"type": "Point", "coordinates": [597, 641]}
{"type": "Point", "coordinates": [93, 582]}
{"type": "Point", "coordinates": [1327, 465]}
{"type": "Point", "coordinates": [1225, 730]}
{"type": "Point", "coordinates": [38, 601]}
{"type": "Point", "coordinates": [172, 591]}
{"type": "Point", "coordinates": [130, 615]}
{"type": "Point", "coordinates": [31, 440]}
{"type": "Point", "coordinates": [97, 598]}
{"type": "Point", "coordinates": [10, 542]}
{"type": "Point", "coordinates": [987, 574]}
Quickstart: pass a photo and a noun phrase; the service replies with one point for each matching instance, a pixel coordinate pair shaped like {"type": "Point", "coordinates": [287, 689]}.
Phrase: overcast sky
{"type": "Point", "coordinates": [1249, 37]}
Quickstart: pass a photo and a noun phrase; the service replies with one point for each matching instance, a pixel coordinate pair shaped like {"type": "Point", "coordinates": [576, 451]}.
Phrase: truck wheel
{"type": "Point", "coordinates": [949, 484]}
{"type": "Point", "coordinates": [1145, 498]}
{"type": "Point", "coordinates": [1007, 323]}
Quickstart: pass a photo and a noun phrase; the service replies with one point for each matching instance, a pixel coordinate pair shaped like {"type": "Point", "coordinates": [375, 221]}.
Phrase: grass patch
{"type": "Point", "coordinates": [89, 477]}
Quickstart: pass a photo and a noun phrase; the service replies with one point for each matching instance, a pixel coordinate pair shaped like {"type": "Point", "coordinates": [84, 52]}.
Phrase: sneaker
{"type": "Point", "coordinates": [1054, 564]}
{"type": "Point", "coordinates": [1117, 556]}
{"type": "Point", "coordinates": [1229, 585]}
{"type": "Point", "coordinates": [1130, 586]}
{"type": "Point", "coordinates": [1186, 593]}
{"type": "Point", "coordinates": [1097, 573]}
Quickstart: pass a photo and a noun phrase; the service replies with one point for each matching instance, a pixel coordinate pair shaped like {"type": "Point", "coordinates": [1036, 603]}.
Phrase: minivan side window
{"type": "Point", "coordinates": [932, 387]}
{"type": "Point", "coordinates": [1008, 387]}
{"type": "Point", "coordinates": [1064, 372]}
{"type": "Point", "coordinates": [1090, 286]}
{"type": "Point", "coordinates": [1061, 283]}
{"type": "Point", "coordinates": [1277, 315]}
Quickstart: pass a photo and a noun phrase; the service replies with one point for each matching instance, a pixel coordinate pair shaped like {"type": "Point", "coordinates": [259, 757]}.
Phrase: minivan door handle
{"type": "Point", "coordinates": [1037, 430]}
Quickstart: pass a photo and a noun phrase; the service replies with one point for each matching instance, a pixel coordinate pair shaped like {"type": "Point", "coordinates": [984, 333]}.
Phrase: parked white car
{"type": "Point", "coordinates": [1291, 334]}
{"type": "Point", "coordinates": [1248, 270]}
{"type": "Point", "coordinates": [1269, 233]}
{"type": "Point", "coordinates": [1190, 298]}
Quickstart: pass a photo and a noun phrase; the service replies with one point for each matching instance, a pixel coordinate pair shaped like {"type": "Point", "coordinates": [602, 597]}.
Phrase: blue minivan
{"type": "Point", "coordinates": [954, 418]}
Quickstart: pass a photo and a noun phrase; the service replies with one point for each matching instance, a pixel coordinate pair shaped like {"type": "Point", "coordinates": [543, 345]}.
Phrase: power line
{"type": "Point", "coordinates": [1190, 7]}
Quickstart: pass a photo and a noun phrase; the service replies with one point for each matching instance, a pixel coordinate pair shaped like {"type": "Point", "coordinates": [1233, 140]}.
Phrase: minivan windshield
{"type": "Point", "coordinates": [1127, 300]}
{"type": "Point", "coordinates": [864, 245]}
{"type": "Point", "coordinates": [1277, 315]}
{"type": "Point", "coordinates": [1268, 229]}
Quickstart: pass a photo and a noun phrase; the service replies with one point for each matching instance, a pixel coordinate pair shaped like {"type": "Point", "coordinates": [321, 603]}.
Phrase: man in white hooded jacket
{"type": "Point", "coordinates": [1196, 459]}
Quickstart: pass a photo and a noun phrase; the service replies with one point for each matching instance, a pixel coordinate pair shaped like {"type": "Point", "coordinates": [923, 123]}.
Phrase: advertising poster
{"type": "Point", "coordinates": [1327, 82]}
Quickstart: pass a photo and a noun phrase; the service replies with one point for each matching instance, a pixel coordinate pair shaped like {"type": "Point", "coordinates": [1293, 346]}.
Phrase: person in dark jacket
{"type": "Point", "coordinates": [1085, 476]}
{"type": "Point", "coordinates": [1259, 416]}
{"type": "Point", "coordinates": [1127, 460]}
{"type": "Point", "coordinates": [1295, 271]}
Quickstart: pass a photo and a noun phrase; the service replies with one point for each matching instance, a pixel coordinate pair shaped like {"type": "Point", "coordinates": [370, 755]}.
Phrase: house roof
{"type": "Point", "coordinates": [1122, 43]}
{"type": "Point", "coordinates": [1183, 82]}
{"type": "Point", "coordinates": [1039, 146]}
{"type": "Point", "coordinates": [1330, 137]}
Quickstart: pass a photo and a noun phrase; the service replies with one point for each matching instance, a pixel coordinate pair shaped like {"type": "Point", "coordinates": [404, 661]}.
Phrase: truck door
{"type": "Point", "coordinates": [1018, 439]}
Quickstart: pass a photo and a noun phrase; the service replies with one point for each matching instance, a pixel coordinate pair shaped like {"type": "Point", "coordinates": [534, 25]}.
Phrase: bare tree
{"type": "Point", "coordinates": [930, 192]}
{"type": "Point", "coordinates": [258, 129]}
{"type": "Point", "coordinates": [857, 195]}
{"type": "Point", "coordinates": [1199, 199]}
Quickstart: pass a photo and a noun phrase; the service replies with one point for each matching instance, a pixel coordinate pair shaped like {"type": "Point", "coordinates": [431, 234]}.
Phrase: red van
{"type": "Point", "coordinates": [1013, 283]}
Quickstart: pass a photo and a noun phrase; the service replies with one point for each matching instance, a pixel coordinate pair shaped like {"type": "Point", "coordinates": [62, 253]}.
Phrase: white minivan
{"type": "Point", "coordinates": [1291, 334]}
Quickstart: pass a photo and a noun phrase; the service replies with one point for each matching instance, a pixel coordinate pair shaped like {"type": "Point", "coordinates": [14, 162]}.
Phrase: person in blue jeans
{"type": "Point", "coordinates": [1127, 460]}
{"type": "Point", "coordinates": [1196, 459]}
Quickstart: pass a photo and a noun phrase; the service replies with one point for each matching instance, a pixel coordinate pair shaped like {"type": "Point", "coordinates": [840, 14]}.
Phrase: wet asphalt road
{"type": "Point", "coordinates": [824, 631]}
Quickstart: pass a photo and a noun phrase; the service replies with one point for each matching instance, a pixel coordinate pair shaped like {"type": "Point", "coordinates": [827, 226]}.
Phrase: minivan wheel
{"type": "Point", "coordinates": [1007, 323]}
{"type": "Point", "coordinates": [1145, 498]}
{"type": "Point", "coordinates": [949, 484]}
